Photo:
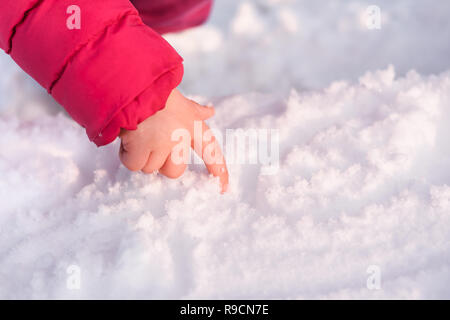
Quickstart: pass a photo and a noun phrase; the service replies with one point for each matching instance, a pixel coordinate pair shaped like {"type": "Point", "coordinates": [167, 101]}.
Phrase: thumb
{"type": "Point", "coordinates": [203, 112]}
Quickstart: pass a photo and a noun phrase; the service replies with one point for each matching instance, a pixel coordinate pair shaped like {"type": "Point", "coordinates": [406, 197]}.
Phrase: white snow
{"type": "Point", "coordinates": [364, 176]}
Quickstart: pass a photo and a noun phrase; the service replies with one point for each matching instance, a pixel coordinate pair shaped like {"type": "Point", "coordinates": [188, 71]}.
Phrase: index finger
{"type": "Point", "coordinates": [208, 149]}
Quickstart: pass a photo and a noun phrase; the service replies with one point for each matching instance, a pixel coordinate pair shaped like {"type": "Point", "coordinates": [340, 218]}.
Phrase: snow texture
{"type": "Point", "coordinates": [364, 176]}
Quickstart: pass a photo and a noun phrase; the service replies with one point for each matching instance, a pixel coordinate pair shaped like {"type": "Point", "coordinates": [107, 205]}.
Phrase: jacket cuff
{"type": "Point", "coordinates": [145, 105]}
{"type": "Point", "coordinates": [129, 65]}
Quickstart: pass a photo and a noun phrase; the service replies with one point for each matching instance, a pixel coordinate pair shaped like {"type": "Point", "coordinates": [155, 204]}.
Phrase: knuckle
{"type": "Point", "coordinates": [148, 170]}
{"type": "Point", "coordinates": [175, 173]}
{"type": "Point", "coordinates": [128, 164]}
{"type": "Point", "coordinates": [131, 167]}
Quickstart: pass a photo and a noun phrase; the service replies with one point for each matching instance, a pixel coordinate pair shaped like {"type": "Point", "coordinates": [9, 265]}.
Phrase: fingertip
{"type": "Point", "coordinates": [222, 173]}
{"type": "Point", "coordinates": [133, 167]}
{"type": "Point", "coordinates": [225, 185]}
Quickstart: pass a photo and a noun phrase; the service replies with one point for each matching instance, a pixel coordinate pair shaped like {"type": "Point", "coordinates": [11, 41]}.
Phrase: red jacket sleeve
{"type": "Point", "coordinates": [112, 73]}
{"type": "Point", "coordinates": [173, 15]}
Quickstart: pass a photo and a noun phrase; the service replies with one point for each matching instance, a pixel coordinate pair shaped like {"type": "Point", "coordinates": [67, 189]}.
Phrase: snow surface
{"type": "Point", "coordinates": [364, 178]}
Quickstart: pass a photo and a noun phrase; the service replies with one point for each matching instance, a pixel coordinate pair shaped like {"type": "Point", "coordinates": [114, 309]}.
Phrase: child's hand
{"type": "Point", "coordinates": [149, 147]}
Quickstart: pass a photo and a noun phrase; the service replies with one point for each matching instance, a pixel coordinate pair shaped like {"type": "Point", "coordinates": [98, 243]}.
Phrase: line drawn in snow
{"type": "Point", "coordinates": [73, 22]}
{"type": "Point", "coordinates": [73, 281]}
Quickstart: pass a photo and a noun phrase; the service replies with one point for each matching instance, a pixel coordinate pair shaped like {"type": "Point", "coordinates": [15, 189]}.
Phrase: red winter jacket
{"type": "Point", "coordinates": [115, 70]}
